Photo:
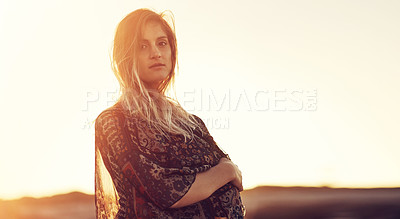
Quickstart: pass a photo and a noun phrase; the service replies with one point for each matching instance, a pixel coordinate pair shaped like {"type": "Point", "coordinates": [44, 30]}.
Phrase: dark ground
{"type": "Point", "coordinates": [261, 202]}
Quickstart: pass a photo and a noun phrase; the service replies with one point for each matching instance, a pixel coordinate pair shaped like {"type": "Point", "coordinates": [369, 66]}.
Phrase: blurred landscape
{"type": "Point", "coordinates": [260, 202]}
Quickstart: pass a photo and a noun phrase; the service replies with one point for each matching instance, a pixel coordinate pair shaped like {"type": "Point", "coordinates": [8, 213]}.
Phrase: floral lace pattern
{"type": "Point", "coordinates": [150, 173]}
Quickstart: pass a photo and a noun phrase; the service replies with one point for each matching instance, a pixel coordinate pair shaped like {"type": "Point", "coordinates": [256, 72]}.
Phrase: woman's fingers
{"type": "Point", "coordinates": [237, 181]}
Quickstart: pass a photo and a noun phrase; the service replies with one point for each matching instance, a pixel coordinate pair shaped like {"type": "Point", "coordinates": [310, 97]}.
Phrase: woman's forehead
{"type": "Point", "coordinates": [152, 30]}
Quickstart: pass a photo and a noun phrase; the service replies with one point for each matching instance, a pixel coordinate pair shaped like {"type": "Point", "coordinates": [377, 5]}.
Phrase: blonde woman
{"type": "Point", "coordinates": [161, 160]}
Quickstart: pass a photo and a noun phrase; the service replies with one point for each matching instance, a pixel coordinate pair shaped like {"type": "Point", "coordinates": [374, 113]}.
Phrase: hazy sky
{"type": "Point", "coordinates": [296, 92]}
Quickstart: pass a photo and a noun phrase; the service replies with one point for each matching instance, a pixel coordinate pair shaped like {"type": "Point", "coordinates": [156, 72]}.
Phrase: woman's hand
{"type": "Point", "coordinates": [237, 174]}
{"type": "Point", "coordinates": [209, 181]}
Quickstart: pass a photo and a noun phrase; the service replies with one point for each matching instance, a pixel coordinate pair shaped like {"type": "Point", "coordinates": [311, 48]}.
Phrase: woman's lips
{"type": "Point", "coordinates": [157, 65]}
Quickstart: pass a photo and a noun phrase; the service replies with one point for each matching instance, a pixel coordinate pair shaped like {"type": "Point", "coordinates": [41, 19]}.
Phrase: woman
{"type": "Point", "coordinates": [162, 161]}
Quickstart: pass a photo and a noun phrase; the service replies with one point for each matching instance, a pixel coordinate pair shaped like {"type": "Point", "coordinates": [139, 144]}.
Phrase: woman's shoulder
{"type": "Point", "coordinates": [114, 109]}
{"type": "Point", "coordinates": [198, 120]}
{"type": "Point", "coordinates": [196, 117]}
{"type": "Point", "coordinates": [117, 114]}
{"type": "Point", "coordinates": [114, 112]}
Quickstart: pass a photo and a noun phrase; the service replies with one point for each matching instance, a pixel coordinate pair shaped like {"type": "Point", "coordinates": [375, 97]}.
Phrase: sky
{"type": "Point", "coordinates": [298, 93]}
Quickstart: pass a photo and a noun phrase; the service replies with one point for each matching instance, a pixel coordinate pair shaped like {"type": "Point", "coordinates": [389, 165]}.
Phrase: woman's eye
{"type": "Point", "coordinates": [143, 46]}
{"type": "Point", "coordinates": [162, 43]}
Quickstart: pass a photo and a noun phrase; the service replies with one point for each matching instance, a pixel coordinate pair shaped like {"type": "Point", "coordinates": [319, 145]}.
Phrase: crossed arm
{"type": "Point", "coordinates": [209, 181]}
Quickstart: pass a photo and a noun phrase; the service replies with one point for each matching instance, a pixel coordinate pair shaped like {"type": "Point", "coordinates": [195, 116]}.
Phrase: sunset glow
{"type": "Point", "coordinates": [297, 93]}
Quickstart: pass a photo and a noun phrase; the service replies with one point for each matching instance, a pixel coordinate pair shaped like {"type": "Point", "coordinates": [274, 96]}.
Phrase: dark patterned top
{"type": "Point", "coordinates": [151, 173]}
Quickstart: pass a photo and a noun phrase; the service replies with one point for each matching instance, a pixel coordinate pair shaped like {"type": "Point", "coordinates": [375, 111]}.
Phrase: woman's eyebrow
{"type": "Point", "coordinates": [158, 38]}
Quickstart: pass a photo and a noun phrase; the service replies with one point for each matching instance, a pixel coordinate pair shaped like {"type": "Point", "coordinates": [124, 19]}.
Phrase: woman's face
{"type": "Point", "coordinates": [154, 57]}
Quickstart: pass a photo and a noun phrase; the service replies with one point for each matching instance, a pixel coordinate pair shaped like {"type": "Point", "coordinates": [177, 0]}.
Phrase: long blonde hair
{"type": "Point", "coordinates": [163, 113]}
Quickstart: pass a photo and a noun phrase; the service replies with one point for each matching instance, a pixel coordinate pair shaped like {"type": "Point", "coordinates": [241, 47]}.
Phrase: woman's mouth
{"type": "Point", "coordinates": [157, 65]}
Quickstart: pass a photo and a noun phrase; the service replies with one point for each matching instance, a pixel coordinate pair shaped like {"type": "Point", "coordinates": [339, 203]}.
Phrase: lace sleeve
{"type": "Point", "coordinates": [161, 185]}
{"type": "Point", "coordinates": [106, 197]}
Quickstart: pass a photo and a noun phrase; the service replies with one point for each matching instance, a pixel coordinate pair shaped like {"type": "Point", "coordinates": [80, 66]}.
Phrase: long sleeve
{"type": "Point", "coordinates": [160, 184]}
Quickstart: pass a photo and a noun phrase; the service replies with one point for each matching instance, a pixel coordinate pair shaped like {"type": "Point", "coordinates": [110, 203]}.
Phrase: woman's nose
{"type": "Point", "coordinates": [155, 53]}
